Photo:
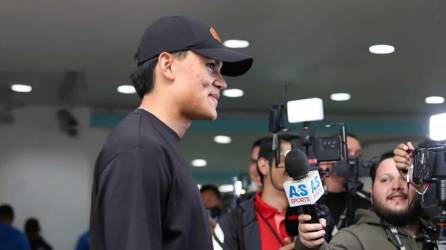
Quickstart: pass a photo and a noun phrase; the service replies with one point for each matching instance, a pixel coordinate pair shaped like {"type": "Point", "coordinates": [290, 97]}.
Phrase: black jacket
{"type": "Point", "coordinates": [240, 228]}
{"type": "Point", "coordinates": [371, 233]}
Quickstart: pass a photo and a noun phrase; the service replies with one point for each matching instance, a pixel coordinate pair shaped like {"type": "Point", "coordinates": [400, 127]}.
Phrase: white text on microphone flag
{"type": "Point", "coordinates": [305, 191]}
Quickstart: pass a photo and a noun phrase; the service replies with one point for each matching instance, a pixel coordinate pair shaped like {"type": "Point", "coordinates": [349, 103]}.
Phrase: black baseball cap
{"type": "Point", "coordinates": [179, 33]}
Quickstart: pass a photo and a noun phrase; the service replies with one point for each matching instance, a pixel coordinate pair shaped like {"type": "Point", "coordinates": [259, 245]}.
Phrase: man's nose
{"type": "Point", "coordinates": [398, 183]}
{"type": "Point", "coordinates": [220, 82]}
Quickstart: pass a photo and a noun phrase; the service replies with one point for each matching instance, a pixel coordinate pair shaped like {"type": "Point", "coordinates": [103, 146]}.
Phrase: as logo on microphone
{"type": "Point", "coordinates": [299, 191]}
{"type": "Point", "coordinates": [305, 191]}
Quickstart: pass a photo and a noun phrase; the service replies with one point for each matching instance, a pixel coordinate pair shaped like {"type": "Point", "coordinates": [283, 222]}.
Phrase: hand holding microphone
{"type": "Point", "coordinates": [311, 234]}
{"type": "Point", "coordinates": [302, 192]}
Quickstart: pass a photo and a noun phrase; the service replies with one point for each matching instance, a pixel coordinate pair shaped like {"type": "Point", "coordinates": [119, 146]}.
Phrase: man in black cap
{"type": "Point", "coordinates": [144, 195]}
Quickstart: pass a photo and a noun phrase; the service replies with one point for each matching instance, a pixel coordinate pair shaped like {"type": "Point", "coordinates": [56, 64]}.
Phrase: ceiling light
{"type": "Point", "coordinates": [21, 88]}
{"type": "Point", "coordinates": [233, 93]}
{"type": "Point", "coordinates": [434, 100]}
{"type": "Point", "coordinates": [437, 123]}
{"type": "Point", "coordinates": [340, 97]}
{"type": "Point", "coordinates": [126, 89]}
{"type": "Point", "coordinates": [222, 139]}
{"type": "Point", "coordinates": [199, 163]}
{"type": "Point", "coordinates": [381, 49]}
{"type": "Point", "coordinates": [236, 44]}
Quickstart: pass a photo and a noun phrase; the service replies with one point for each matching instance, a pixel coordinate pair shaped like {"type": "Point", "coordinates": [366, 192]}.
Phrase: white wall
{"type": "Point", "coordinates": [47, 174]}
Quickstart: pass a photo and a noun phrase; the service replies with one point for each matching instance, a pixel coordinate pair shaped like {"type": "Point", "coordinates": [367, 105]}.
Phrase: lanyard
{"type": "Point", "coordinates": [394, 232]}
{"type": "Point", "coordinates": [342, 218]}
{"type": "Point", "coordinates": [270, 228]}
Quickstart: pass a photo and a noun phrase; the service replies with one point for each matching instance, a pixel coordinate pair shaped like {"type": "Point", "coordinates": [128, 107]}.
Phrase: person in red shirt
{"type": "Point", "coordinates": [259, 222]}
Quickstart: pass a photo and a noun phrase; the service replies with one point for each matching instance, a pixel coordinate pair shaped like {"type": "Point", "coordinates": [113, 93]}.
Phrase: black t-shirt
{"type": "Point", "coordinates": [337, 202]}
{"type": "Point", "coordinates": [144, 195]}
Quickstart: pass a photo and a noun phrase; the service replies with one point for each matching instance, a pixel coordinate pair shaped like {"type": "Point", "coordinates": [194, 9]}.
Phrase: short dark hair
{"type": "Point", "coordinates": [257, 142]}
{"type": "Point", "coordinates": [32, 226]}
{"type": "Point", "coordinates": [6, 212]}
{"type": "Point", "coordinates": [143, 77]}
{"type": "Point", "coordinates": [266, 148]}
{"type": "Point", "coordinates": [374, 168]}
{"type": "Point", "coordinates": [212, 188]}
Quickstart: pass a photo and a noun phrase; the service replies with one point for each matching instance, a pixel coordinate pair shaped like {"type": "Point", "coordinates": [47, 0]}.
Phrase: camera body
{"type": "Point", "coordinates": [355, 166]}
{"type": "Point", "coordinates": [320, 143]}
{"type": "Point", "coordinates": [429, 162]}
{"type": "Point", "coordinates": [326, 148]}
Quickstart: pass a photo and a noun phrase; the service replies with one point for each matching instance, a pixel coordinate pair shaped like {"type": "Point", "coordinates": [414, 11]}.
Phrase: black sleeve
{"type": "Point", "coordinates": [133, 190]}
{"type": "Point", "coordinates": [230, 227]}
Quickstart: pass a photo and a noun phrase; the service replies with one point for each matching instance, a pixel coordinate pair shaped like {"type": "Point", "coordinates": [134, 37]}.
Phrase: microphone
{"type": "Point", "coordinates": [302, 192]}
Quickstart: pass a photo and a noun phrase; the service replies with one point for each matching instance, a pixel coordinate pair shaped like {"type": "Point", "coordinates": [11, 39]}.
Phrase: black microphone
{"type": "Point", "coordinates": [297, 167]}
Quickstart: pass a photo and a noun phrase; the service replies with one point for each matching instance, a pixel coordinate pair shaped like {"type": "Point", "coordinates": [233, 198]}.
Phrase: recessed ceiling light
{"type": "Point", "coordinates": [126, 89]}
{"type": "Point", "coordinates": [236, 44]}
{"type": "Point", "coordinates": [233, 93]}
{"type": "Point", "coordinates": [222, 139]}
{"type": "Point", "coordinates": [434, 100]}
{"type": "Point", "coordinates": [340, 97]}
{"type": "Point", "coordinates": [21, 88]}
{"type": "Point", "coordinates": [381, 49]}
{"type": "Point", "coordinates": [199, 163]}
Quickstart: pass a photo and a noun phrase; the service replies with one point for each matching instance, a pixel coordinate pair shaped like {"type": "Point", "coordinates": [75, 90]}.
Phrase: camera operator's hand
{"type": "Point", "coordinates": [311, 234]}
{"type": "Point", "coordinates": [402, 157]}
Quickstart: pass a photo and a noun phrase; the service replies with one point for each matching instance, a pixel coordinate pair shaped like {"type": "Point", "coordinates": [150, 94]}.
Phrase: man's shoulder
{"type": "Point", "coordinates": [366, 232]}
{"type": "Point", "coordinates": [12, 233]}
{"type": "Point", "coordinates": [367, 217]}
{"type": "Point", "coordinates": [135, 129]}
{"type": "Point", "coordinates": [358, 229]}
{"type": "Point", "coordinates": [131, 134]}
{"type": "Point", "coordinates": [248, 202]}
{"type": "Point", "coordinates": [241, 213]}
{"type": "Point", "coordinates": [353, 237]}
{"type": "Point", "coordinates": [361, 202]}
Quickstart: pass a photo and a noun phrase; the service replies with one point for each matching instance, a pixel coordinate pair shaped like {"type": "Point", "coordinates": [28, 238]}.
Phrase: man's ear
{"type": "Point", "coordinates": [165, 63]}
{"type": "Point", "coordinates": [263, 165]}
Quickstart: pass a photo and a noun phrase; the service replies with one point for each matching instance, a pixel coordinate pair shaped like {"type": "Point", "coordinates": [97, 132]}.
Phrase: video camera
{"type": "Point", "coordinates": [321, 143]}
{"type": "Point", "coordinates": [429, 167]}
{"type": "Point", "coordinates": [354, 166]}
{"type": "Point", "coordinates": [429, 162]}
{"type": "Point", "coordinates": [318, 149]}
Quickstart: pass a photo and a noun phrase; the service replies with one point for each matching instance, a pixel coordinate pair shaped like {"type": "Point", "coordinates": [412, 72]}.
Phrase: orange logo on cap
{"type": "Point", "coordinates": [215, 34]}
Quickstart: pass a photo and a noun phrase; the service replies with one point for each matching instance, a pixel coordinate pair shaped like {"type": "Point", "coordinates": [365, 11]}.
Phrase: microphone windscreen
{"type": "Point", "coordinates": [296, 164]}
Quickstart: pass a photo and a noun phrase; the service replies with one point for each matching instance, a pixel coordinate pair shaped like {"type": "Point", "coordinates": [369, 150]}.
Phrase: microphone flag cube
{"type": "Point", "coordinates": [305, 191]}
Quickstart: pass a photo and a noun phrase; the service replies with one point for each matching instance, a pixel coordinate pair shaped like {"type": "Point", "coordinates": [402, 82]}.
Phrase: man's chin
{"type": "Point", "coordinates": [398, 215]}
{"type": "Point", "coordinates": [396, 210]}
{"type": "Point", "coordinates": [208, 116]}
